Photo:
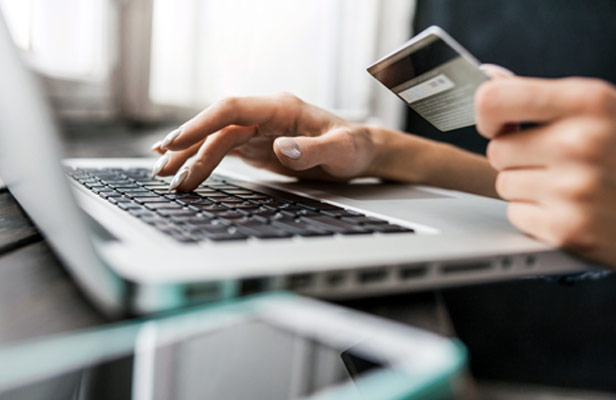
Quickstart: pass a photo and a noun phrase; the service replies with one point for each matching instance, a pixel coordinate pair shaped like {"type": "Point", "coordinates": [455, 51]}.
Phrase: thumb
{"type": "Point", "coordinates": [303, 152]}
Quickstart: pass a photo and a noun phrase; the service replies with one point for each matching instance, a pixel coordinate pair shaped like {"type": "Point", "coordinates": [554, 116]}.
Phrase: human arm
{"type": "Point", "coordinates": [283, 134]}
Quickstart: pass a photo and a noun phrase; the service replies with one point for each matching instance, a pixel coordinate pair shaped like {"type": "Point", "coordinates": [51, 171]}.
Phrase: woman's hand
{"type": "Point", "coordinates": [280, 133]}
{"type": "Point", "coordinates": [560, 176]}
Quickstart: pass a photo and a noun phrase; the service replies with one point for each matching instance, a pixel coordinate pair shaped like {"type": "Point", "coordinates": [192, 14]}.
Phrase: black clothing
{"type": "Point", "coordinates": [532, 330]}
{"type": "Point", "coordinates": [543, 38]}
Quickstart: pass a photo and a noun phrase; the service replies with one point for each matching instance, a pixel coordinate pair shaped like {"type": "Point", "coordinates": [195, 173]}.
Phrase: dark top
{"type": "Point", "coordinates": [545, 38]}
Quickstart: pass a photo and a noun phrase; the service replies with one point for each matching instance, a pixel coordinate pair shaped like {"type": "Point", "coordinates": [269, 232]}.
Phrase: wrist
{"type": "Point", "coordinates": [397, 155]}
{"type": "Point", "coordinates": [405, 157]}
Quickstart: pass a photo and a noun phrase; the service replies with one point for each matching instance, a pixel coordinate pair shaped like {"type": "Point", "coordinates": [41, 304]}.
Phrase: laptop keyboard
{"type": "Point", "coordinates": [220, 210]}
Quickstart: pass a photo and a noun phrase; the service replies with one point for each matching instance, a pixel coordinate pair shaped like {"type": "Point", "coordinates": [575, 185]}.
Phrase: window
{"type": "Point", "coordinates": [153, 59]}
{"type": "Point", "coordinates": [62, 38]}
{"type": "Point", "coordinates": [67, 42]}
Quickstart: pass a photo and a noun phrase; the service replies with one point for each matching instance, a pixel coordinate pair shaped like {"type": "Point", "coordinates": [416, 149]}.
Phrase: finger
{"type": "Point", "coordinates": [504, 101]}
{"type": "Point", "coordinates": [171, 161]}
{"type": "Point", "coordinates": [525, 185]}
{"type": "Point", "coordinates": [496, 71]}
{"type": "Point", "coordinates": [245, 111]}
{"type": "Point", "coordinates": [533, 147]}
{"type": "Point", "coordinates": [211, 152]}
{"type": "Point", "coordinates": [334, 150]}
{"type": "Point", "coordinates": [530, 218]}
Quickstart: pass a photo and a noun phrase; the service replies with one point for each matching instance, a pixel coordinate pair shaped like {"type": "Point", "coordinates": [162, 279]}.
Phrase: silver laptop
{"type": "Point", "coordinates": [132, 245]}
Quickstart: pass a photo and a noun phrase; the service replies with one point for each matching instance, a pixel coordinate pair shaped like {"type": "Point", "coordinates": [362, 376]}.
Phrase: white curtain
{"type": "Point", "coordinates": [203, 50]}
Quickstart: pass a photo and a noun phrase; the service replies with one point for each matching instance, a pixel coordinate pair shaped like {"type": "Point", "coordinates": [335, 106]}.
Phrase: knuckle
{"type": "Point", "coordinates": [197, 164]}
{"type": "Point", "coordinates": [227, 104]}
{"type": "Point", "coordinates": [588, 141]}
{"type": "Point", "coordinates": [581, 186]}
{"type": "Point", "coordinates": [486, 96]}
{"type": "Point", "coordinates": [574, 229]}
{"type": "Point", "coordinates": [230, 102]}
{"type": "Point", "coordinates": [573, 142]}
{"type": "Point", "coordinates": [503, 184]}
{"type": "Point", "coordinates": [495, 151]}
{"type": "Point", "coordinates": [595, 95]}
{"type": "Point", "coordinates": [289, 98]}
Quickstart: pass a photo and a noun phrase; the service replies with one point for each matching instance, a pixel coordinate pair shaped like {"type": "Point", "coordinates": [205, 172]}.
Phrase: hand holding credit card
{"type": "Point", "coordinates": [435, 76]}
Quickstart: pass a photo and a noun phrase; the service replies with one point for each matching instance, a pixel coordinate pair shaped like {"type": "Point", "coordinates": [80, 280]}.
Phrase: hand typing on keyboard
{"type": "Point", "coordinates": [563, 196]}
{"type": "Point", "coordinates": [222, 210]}
{"type": "Point", "coordinates": [280, 133]}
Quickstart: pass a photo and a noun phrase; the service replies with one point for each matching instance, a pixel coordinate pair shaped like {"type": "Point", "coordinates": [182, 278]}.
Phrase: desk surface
{"type": "Point", "coordinates": [38, 298]}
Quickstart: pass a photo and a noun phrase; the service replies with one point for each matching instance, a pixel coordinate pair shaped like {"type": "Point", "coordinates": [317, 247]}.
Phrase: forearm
{"type": "Point", "coordinates": [409, 158]}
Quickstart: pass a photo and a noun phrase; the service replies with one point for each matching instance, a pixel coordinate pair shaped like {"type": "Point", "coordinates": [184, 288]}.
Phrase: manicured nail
{"type": "Point", "coordinates": [178, 178]}
{"type": "Point", "coordinates": [156, 146]}
{"type": "Point", "coordinates": [170, 138]}
{"type": "Point", "coordinates": [160, 164]}
{"type": "Point", "coordinates": [289, 148]}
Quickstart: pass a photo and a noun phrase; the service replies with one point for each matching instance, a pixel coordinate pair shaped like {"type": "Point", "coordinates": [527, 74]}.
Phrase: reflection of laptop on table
{"type": "Point", "coordinates": [140, 248]}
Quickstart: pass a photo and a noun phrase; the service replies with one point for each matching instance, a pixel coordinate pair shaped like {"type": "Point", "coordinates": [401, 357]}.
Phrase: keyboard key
{"type": "Point", "coordinates": [251, 196]}
{"type": "Point", "coordinates": [176, 213]}
{"type": "Point", "coordinates": [341, 212]}
{"type": "Point", "coordinates": [242, 206]}
{"type": "Point", "coordinates": [264, 211]}
{"type": "Point", "coordinates": [238, 192]}
{"type": "Point", "coordinates": [163, 206]}
{"type": "Point", "coordinates": [269, 202]}
{"type": "Point", "coordinates": [359, 220]}
{"type": "Point", "coordinates": [109, 193]}
{"type": "Point", "coordinates": [335, 225]}
{"type": "Point", "coordinates": [151, 199]}
{"type": "Point", "coordinates": [210, 207]}
{"type": "Point", "coordinates": [262, 231]}
{"type": "Point", "coordinates": [300, 228]}
{"type": "Point", "coordinates": [389, 228]}
{"type": "Point", "coordinates": [140, 194]}
{"type": "Point", "coordinates": [219, 237]}
{"type": "Point", "coordinates": [129, 206]}
{"type": "Point", "coordinates": [230, 214]}
{"type": "Point", "coordinates": [222, 186]}
{"type": "Point", "coordinates": [215, 196]}
{"type": "Point", "coordinates": [141, 213]}
{"type": "Point", "coordinates": [195, 201]}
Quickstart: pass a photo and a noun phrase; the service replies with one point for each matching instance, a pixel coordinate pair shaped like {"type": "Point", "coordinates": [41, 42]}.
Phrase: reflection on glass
{"type": "Point", "coordinates": [248, 360]}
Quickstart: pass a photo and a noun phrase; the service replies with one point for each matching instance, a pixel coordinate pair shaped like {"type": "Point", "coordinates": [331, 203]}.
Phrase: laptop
{"type": "Point", "coordinates": [133, 246]}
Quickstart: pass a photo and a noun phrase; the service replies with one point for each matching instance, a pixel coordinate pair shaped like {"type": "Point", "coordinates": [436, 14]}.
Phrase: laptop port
{"type": "Point", "coordinates": [412, 272]}
{"type": "Point", "coordinates": [466, 267]}
{"type": "Point", "coordinates": [372, 275]}
{"type": "Point", "coordinates": [334, 279]}
{"type": "Point", "coordinates": [202, 291]}
{"type": "Point", "coordinates": [253, 285]}
{"type": "Point", "coordinates": [299, 281]}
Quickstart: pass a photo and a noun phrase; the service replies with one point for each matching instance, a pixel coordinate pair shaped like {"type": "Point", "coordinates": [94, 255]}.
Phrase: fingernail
{"type": "Point", "coordinates": [289, 148]}
{"type": "Point", "coordinates": [160, 164]}
{"type": "Point", "coordinates": [156, 145]}
{"type": "Point", "coordinates": [178, 178]}
{"type": "Point", "coordinates": [170, 138]}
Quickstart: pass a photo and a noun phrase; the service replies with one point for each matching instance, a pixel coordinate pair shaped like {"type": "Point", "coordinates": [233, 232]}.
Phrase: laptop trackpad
{"type": "Point", "coordinates": [371, 190]}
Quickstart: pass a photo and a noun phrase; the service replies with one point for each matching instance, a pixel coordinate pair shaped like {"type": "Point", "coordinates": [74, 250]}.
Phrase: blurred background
{"type": "Point", "coordinates": [156, 62]}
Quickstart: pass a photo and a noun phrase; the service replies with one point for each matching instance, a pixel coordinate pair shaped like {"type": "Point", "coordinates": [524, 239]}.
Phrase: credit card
{"type": "Point", "coordinates": [435, 76]}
